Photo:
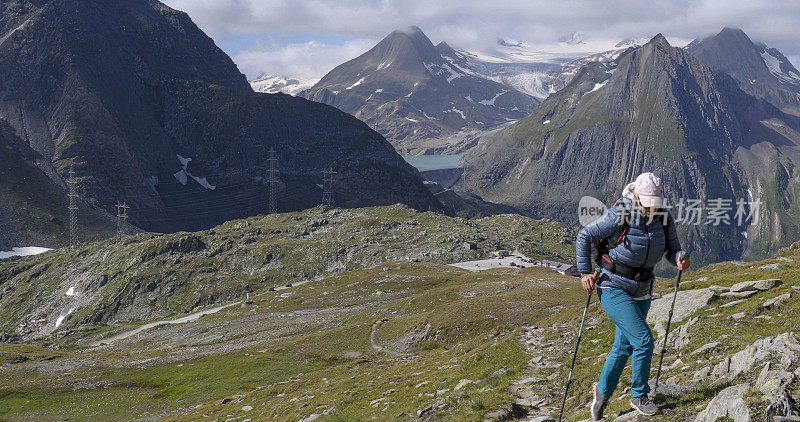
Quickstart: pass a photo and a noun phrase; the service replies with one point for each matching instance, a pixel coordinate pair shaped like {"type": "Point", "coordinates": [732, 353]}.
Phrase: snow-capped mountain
{"type": "Point", "coordinates": [759, 70]}
{"type": "Point", "coordinates": [418, 94]}
{"type": "Point", "coordinates": [607, 59]}
{"type": "Point", "coordinates": [272, 84]}
{"type": "Point", "coordinates": [514, 65]}
{"type": "Point", "coordinates": [428, 98]}
{"type": "Point", "coordinates": [537, 72]}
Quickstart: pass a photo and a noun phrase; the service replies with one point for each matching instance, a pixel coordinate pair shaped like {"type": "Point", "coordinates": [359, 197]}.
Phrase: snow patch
{"type": "Point", "coordinates": [774, 66]}
{"type": "Point", "coordinates": [203, 182]}
{"type": "Point", "coordinates": [430, 67]}
{"type": "Point", "coordinates": [455, 110]}
{"type": "Point", "coordinates": [429, 117]}
{"type": "Point", "coordinates": [358, 82]}
{"type": "Point", "coordinates": [491, 102]}
{"type": "Point", "coordinates": [379, 90]}
{"type": "Point", "coordinates": [437, 70]}
{"type": "Point", "coordinates": [469, 98]}
{"type": "Point", "coordinates": [546, 122]}
{"type": "Point", "coordinates": [184, 161]}
{"type": "Point", "coordinates": [60, 319]}
{"type": "Point", "coordinates": [181, 177]}
{"type": "Point", "coordinates": [23, 251]}
{"type": "Point", "coordinates": [272, 84]}
{"type": "Point", "coordinates": [412, 120]}
{"type": "Point", "coordinates": [453, 73]}
{"type": "Point", "coordinates": [461, 69]}
{"type": "Point", "coordinates": [598, 86]}
{"type": "Point", "coordinates": [383, 65]}
{"type": "Point", "coordinates": [70, 291]}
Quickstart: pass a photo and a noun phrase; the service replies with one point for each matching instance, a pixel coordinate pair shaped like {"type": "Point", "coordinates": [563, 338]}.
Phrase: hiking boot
{"type": "Point", "coordinates": [599, 403]}
{"type": "Point", "coordinates": [644, 405]}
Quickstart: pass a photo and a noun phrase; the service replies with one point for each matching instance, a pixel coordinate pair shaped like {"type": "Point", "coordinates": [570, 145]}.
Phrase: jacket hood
{"type": "Point", "coordinates": [627, 196]}
{"type": "Point", "coordinates": [628, 200]}
{"type": "Point", "coordinates": [627, 191]}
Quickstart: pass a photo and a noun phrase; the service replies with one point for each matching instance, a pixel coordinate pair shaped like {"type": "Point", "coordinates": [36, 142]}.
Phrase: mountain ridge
{"type": "Point", "coordinates": [119, 89]}
{"type": "Point", "coordinates": [658, 109]}
{"type": "Point", "coordinates": [760, 71]}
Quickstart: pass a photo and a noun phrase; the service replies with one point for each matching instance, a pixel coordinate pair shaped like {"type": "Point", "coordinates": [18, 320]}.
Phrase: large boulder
{"type": "Point", "coordinates": [783, 349]}
{"type": "Point", "coordinates": [755, 285]}
{"type": "Point", "coordinates": [729, 402]}
{"type": "Point", "coordinates": [687, 303]}
{"type": "Point", "coordinates": [774, 384]}
{"type": "Point", "coordinates": [777, 300]}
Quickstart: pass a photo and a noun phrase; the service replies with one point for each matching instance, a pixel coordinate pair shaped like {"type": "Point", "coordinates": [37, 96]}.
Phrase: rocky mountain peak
{"type": "Point", "coordinates": [116, 88]}
{"type": "Point", "coordinates": [733, 33]}
{"type": "Point", "coordinates": [660, 109]}
{"type": "Point", "coordinates": [404, 43]}
{"type": "Point", "coordinates": [759, 70]}
{"type": "Point", "coordinates": [412, 92]}
{"type": "Point", "coordinates": [659, 39]}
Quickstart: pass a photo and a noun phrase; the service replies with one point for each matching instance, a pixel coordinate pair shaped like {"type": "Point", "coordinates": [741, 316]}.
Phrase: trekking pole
{"type": "Point", "coordinates": [669, 319]}
{"type": "Point", "coordinates": [574, 356]}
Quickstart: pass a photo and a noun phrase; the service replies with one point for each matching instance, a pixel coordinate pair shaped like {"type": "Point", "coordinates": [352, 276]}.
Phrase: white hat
{"type": "Point", "coordinates": [648, 188]}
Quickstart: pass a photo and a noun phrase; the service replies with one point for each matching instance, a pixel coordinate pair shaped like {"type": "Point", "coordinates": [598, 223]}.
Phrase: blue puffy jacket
{"type": "Point", "coordinates": [643, 245]}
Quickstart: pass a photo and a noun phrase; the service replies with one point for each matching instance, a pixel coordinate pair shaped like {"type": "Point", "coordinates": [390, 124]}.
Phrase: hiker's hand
{"type": "Point", "coordinates": [683, 262]}
{"type": "Point", "coordinates": [588, 282]}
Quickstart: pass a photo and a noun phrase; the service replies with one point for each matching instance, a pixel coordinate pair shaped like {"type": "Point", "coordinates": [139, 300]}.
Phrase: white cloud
{"type": "Point", "coordinates": [306, 60]}
{"type": "Point", "coordinates": [474, 24]}
{"type": "Point", "coordinates": [795, 59]}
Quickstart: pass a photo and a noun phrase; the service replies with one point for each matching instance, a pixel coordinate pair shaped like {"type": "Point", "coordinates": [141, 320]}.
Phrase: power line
{"type": "Point", "coordinates": [273, 181]}
{"type": "Point", "coordinates": [327, 187]}
{"type": "Point", "coordinates": [464, 175]}
{"type": "Point", "coordinates": [122, 217]}
{"type": "Point", "coordinates": [73, 207]}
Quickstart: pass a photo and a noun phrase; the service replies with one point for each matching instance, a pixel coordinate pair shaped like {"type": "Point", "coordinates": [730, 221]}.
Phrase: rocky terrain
{"type": "Point", "coordinates": [149, 111]}
{"type": "Point", "coordinates": [654, 108]}
{"type": "Point", "coordinates": [151, 276]}
{"type": "Point", "coordinates": [375, 324]}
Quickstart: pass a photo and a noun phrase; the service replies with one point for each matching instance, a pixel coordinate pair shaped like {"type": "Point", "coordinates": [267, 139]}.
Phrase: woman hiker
{"type": "Point", "coordinates": [631, 237]}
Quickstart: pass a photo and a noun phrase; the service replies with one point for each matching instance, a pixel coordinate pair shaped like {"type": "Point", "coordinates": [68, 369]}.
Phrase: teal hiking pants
{"type": "Point", "coordinates": [632, 338]}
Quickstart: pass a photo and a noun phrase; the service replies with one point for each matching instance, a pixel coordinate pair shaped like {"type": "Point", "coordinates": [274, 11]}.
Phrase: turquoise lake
{"type": "Point", "coordinates": [433, 162]}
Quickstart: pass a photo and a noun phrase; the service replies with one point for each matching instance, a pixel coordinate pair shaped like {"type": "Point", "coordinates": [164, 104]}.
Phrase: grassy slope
{"type": "Point", "coordinates": [471, 321]}
{"type": "Point", "coordinates": [151, 276]}
{"type": "Point", "coordinates": [309, 350]}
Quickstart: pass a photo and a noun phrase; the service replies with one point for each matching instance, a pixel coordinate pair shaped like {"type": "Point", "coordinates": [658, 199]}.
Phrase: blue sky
{"type": "Point", "coordinates": [307, 38]}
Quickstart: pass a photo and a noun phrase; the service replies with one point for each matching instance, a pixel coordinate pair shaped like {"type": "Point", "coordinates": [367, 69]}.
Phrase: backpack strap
{"type": "Point", "coordinates": [621, 236]}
